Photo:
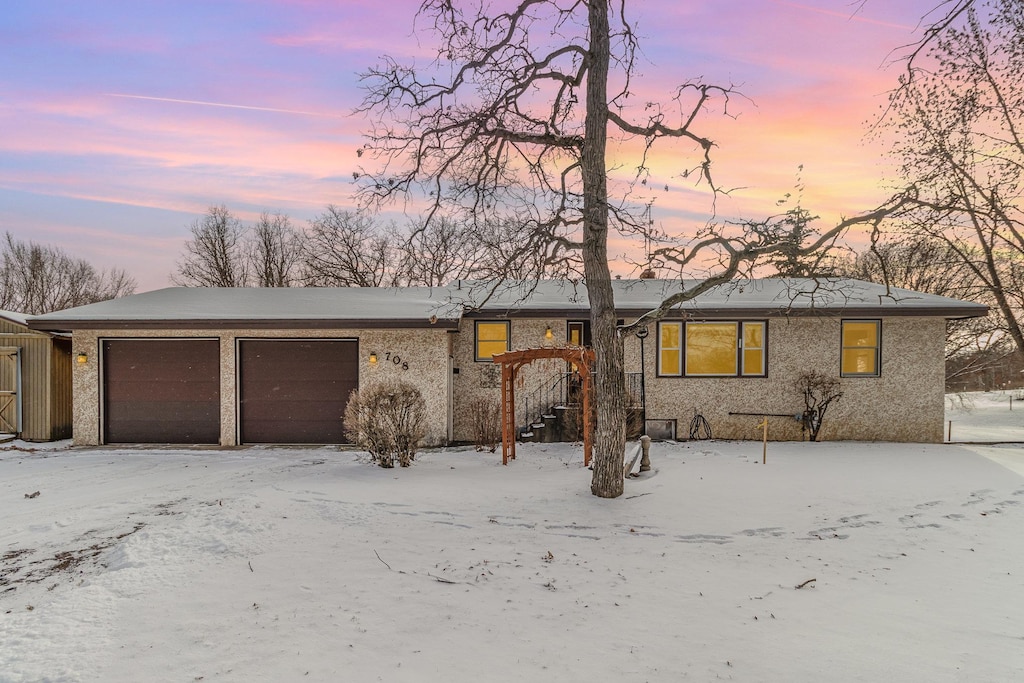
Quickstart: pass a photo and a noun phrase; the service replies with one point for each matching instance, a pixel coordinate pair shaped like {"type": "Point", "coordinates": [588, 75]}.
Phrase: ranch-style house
{"type": "Point", "coordinates": [251, 366]}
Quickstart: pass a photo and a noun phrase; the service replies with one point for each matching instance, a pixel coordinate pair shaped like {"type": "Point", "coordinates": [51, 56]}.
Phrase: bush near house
{"type": "Point", "coordinates": [486, 418]}
{"type": "Point", "coordinates": [819, 391]}
{"type": "Point", "coordinates": [389, 420]}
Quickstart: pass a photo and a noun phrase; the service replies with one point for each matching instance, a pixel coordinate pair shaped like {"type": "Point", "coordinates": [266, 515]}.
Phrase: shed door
{"type": "Point", "coordinates": [295, 390]}
{"type": "Point", "coordinates": [161, 391]}
{"type": "Point", "coordinates": [10, 390]}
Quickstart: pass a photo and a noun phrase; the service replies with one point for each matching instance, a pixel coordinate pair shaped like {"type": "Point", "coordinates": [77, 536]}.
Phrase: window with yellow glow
{"type": "Point", "coordinates": [578, 334]}
{"type": "Point", "coordinates": [670, 350]}
{"type": "Point", "coordinates": [861, 342]}
{"type": "Point", "coordinates": [711, 348]}
{"type": "Point", "coordinates": [491, 339]}
{"type": "Point", "coordinates": [753, 350]}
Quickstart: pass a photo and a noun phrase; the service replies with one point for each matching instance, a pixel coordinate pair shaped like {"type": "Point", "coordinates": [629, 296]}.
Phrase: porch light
{"type": "Point", "coordinates": [373, 359]}
{"type": "Point", "coordinates": [82, 359]}
{"type": "Point", "coordinates": [548, 334]}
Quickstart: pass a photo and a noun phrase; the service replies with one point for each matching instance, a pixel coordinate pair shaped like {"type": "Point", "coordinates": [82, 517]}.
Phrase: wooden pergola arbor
{"type": "Point", "coordinates": [512, 361]}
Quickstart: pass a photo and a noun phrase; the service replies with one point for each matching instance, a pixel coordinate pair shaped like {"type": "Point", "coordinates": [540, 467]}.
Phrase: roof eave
{"type": "Point", "coordinates": [867, 311]}
{"type": "Point", "coordinates": [65, 325]}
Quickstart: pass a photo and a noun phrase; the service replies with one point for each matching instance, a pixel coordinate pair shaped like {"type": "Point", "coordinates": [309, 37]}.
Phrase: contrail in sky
{"type": "Point", "coordinates": [842, 15]}
{"type": "Point", "coordinates": [221, 104]}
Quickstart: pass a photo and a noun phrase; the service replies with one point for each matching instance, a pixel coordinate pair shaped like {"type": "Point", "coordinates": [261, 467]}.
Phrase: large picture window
{"type": "Point", "coordinates": [712, 349]}
{"type": "Point", "coordinates": [491, 339]}
{"type": "Point", "coordinates": [861, 344]}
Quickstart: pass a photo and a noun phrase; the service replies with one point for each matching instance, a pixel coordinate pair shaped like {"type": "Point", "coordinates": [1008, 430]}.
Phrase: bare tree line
{"type": "Point", "coordinates": [342, 248]}
{"type": "Point", "coordinates": [37, 279]}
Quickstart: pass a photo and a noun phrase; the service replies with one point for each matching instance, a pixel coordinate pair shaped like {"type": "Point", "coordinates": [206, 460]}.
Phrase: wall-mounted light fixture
{"type": "Point", "coordinates": [373, 359]}
{"type": "Point", "coordinates": [82, 359]}
{"type": "Point", "coordinates": [548, 334]}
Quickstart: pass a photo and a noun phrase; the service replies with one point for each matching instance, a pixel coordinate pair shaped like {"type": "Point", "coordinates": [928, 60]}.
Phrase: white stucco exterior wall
{"type": "Point", "coordinates": [425, 351]}
{"type": "Point", "coordinates": [905, 403]}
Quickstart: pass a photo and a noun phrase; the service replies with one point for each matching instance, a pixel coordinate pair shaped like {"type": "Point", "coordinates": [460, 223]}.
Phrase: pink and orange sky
{"type": "Point", "coordinates": [122, 121]}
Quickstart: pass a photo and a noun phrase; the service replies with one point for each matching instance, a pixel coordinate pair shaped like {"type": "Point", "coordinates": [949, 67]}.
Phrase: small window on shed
{"type": "Point", "coordinates": [491, 339]}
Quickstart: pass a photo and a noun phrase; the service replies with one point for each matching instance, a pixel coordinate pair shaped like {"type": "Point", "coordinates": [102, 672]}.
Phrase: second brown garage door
{"type": "Point", "coordinates": [295, 390]}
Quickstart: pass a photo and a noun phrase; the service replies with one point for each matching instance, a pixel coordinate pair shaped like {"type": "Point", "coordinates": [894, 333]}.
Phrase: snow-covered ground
{"type": "Point", "coordinates": [986, 416]}
{"type": "Point", "coordinates": [833, 562]}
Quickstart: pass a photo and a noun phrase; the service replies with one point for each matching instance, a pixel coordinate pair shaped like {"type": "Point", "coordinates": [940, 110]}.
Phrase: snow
{"type": "Point", "coordinates": [282, 564]}
{"type": "Point", "coordinates": [444, 306]}
{"type": "Point", "coordinates": [986, 416]}
{"type": "Point", "coordinates": [15, 317]}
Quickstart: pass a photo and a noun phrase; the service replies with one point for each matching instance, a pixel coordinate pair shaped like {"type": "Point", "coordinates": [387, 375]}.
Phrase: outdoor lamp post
{"type": "Point", "coordinates": [642, 334]}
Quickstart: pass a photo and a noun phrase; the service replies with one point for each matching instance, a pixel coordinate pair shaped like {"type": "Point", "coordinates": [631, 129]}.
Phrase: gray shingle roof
{"type": "Point", "coordinates": [185, 307]}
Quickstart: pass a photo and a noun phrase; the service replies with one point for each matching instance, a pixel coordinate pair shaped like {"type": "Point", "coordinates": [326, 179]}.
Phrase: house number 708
{"type": "Point", "coordinates": [396, 360]}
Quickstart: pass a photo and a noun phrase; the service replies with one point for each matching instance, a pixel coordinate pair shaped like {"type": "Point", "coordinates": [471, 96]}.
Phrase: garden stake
{"type": "Point", "coordinates": [764, 452]}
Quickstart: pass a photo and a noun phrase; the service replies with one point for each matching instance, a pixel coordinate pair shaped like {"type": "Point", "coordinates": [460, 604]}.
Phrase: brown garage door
{"type": "Point", "coordinates": [161, 391]}
{"type": "Point", "coordinates": [295, 390]}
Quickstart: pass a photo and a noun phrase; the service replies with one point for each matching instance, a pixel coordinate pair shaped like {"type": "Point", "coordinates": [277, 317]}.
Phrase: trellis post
{"type": "Point", "coordinates": [511, 362]}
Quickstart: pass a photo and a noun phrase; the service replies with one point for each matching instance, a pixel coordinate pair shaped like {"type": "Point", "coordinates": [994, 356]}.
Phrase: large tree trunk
{"type": "Point", "coordinates": [610, 381]}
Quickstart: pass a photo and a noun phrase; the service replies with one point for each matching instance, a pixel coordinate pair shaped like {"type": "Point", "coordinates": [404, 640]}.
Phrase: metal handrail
{"type": "Point", "coordinates": [548, 396]}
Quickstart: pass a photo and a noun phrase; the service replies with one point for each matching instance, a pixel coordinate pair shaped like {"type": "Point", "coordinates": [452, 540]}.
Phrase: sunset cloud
{"type": "Point", "coordinates": [121, 127]}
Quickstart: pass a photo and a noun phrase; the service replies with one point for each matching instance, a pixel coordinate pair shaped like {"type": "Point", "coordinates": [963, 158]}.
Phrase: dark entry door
{"type": "Point", "coordinates": [295, 390]}
{"type": "Point", "coordinates": [161, 391]}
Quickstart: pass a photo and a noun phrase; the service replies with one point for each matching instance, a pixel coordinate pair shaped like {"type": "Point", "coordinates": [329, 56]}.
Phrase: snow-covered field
{"type": "Point", "coordinates": [833, 562]}
{"type": "Point", "coordinates": [986, 416]}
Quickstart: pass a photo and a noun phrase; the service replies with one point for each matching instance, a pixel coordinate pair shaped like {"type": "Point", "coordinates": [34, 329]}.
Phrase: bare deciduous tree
{"type": "Point", "coordinates": [274, 252]}
{"type": "Point", "coordinates": [37, 279]}
{"type": "Point", "coordinates": [439, 252]}
{"type": "Point", "coordinates": [216, 254]}
{"type": "Point", "coordinates": [792, 230]}
{"type": "Point", "coordinates": [513, 120]}
{"type": "Point", "coordinates": [957, 121]}
{"type": "Point", "coordinates": [920, 263]}
{"type": "Point", "coordinates": [347, 249]}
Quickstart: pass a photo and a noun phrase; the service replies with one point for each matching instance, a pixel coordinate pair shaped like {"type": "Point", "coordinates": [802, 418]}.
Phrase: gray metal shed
{"type": "Point", "coordinates": [35, 381]}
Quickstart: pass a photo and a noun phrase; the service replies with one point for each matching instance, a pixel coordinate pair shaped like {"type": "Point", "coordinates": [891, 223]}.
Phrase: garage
{"type": "Point", "coordinates": [294, 391]}
{"type": "Point", "coordinates": [161, 391]}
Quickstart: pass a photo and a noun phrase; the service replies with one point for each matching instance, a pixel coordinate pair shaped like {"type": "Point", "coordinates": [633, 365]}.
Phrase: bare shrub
{"type": "Point", "coordinates": [634, 423]}
{"type": "Point", "coordinates": [388, 419]}
{"type": "Point", "coordinates": [485, 415]}
{"type": "Point", "coordinates": [819, 391]}
{"type": "Point", "coordinates": [962, 402]}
